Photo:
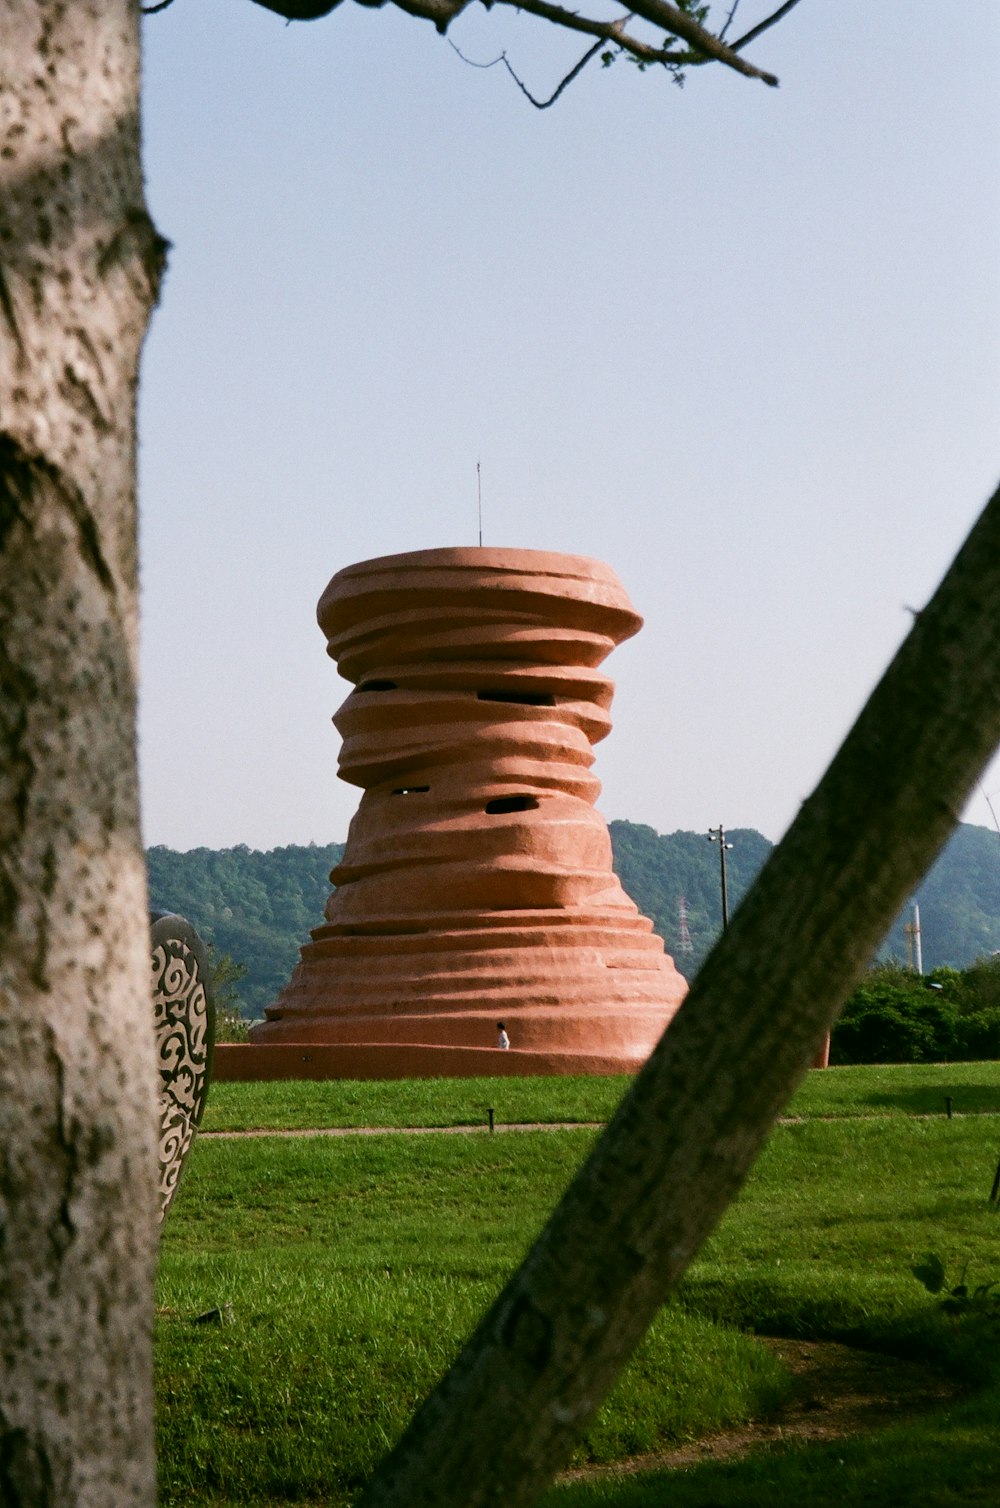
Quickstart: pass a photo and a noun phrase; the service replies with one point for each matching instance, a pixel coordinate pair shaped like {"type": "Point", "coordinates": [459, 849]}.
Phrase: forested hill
{"type": "Point", "coordinates": [259, 907]}
{"type": "Point", "coordinates": [959, 898]}
{"type": "Point", "coordinates": [657, 870]}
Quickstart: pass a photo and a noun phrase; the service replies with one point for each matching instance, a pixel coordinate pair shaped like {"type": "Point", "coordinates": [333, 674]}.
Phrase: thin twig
{"type": "Point", "coordinates": [578, 68]}
{"type": "Point", "coordinates": [765, 25]}
{"type": "Point", "coordinates": [538, 104]}
{"type": "Point", "coordinates": [472, 62]}
{"type": "Point", "coordinates": [729, 20]}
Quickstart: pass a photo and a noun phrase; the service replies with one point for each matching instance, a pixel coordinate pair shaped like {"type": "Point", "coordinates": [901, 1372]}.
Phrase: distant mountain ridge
{"type": "Point", "coordinates": [259, 906]}
{"type": "Point", "coordinates": [959, 897]}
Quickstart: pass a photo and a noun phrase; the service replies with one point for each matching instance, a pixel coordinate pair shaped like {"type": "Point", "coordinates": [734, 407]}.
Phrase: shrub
{"type": "Point", "coordinates": [882, 1034]}
{"type": "Point", "coordinates": [897, 1016]}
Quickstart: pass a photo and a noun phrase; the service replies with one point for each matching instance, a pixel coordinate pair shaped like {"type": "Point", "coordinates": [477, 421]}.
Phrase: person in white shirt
{"type": "Point", "coordinates": [503, 1041]}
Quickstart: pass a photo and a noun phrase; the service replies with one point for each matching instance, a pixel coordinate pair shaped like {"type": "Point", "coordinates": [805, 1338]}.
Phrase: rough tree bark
{"type": "Point", "coordinates": [687, 1134]}
{"type": "Point", "coordinates": [79, 268]}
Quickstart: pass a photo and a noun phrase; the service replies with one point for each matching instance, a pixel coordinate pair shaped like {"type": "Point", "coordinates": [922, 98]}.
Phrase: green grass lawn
{"type": "Point", "coordinates": [298, 1104]}
{"type": "Point", "coordinates": [820, 1246]}
{"type": "Point", "coordinates": [355, 1266]}
{"type": "Point", "coordinates": [882, 1089]}
{"type": "Point", "coordinates": [900, 1089]}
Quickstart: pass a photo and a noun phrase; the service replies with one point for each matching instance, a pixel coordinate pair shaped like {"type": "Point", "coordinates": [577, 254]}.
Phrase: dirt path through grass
{"type": "Point", "coordinates": [469, 1130]}
{"type": "Point", "coordinates": [411, 1130]}
{"type": "Point", "coordinates": [840, 1391]}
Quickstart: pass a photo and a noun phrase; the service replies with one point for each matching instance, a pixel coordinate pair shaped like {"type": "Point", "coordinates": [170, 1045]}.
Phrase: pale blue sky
{"type": "Point", "coordinates": [741, 343]}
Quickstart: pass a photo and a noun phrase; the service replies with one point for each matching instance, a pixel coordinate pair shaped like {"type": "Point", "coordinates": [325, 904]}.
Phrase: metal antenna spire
{"type": "Point", "coordinates": [479, 495]}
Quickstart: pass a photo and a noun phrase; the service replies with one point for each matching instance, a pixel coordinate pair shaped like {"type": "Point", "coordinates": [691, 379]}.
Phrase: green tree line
{"type": "Point", "coordinates": [259, 907]}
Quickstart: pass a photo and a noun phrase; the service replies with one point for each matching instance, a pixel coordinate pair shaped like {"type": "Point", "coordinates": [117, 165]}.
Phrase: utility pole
{"type": "Point", "coordinates": [718, 835]}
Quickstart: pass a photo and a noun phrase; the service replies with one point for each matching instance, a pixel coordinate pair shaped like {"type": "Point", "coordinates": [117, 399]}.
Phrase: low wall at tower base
{"type": "Point", "coordinates": [247, 1062]}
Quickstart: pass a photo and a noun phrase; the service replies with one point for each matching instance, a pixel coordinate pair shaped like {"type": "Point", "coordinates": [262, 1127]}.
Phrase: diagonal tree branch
{"type": "Point", "coordinates": [687, 1134]}
{"type": "Point", "coordinates": [702, 45]}
{"type": "Point", "coordinates": [705, 45]}
{"type": "Point", "coordinates": [765, 25]}
{"type": "Point", "coordinates": [607, 31]}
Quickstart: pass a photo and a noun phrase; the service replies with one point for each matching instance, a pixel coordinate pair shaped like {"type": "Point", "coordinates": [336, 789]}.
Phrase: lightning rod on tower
{"type": "Point", "coordinates": [479, 497]}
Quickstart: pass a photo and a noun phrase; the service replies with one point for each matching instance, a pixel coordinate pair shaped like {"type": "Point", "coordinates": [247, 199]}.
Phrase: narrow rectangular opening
{"type": "Point", "coordinates": [511, 804]}
{"type": "Point", "coordinates": [518, 698]}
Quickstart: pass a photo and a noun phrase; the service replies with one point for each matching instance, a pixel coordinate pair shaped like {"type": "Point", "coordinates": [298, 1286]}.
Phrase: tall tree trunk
{"type": "Point", "coordinates": [79, 268]}
{"type": "Point", "coordinates": [507, 1414]}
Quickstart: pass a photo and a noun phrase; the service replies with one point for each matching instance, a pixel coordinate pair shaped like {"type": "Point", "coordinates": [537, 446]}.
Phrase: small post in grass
{"type": "Point", "coordinates": [996, 1186]}
{"type": "Point", "coordinates": [493, 1128]}
{"type": "Point", "coordinates": [947, 1105]}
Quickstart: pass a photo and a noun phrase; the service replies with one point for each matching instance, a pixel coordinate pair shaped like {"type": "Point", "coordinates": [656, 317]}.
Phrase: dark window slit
{"type": "Point", "coordinates": [519, 698]}
{"type": "Point", "coordinates": [410, 790]}
{"type": "Point", "coordinates": [378, 686]}
{"type": "Point", "coordinates": [511, 804]}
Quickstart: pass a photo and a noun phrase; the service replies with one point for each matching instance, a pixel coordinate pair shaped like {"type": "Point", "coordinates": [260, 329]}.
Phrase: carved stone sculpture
{"type": "Point", "coordinates": [184, 1023]}
{"type": "Point", "coordinates": [476, 887]}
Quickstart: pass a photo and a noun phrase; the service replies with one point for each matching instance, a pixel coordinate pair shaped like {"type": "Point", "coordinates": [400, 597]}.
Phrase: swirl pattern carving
{"type": "Point", "coordinates": [184, 1019]}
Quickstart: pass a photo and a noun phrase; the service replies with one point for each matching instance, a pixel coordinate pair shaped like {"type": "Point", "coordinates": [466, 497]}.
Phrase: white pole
{"type": "Point", "coordinates": [918, 957]}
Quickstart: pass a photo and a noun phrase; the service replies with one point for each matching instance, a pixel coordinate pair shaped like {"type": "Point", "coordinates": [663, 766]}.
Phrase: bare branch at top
{"type": "Point", "coordinates": [687, 42]}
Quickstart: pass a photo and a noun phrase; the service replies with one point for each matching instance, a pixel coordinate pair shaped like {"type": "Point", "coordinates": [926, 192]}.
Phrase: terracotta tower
{"type": "Point", "coordinates": [476, 886]}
